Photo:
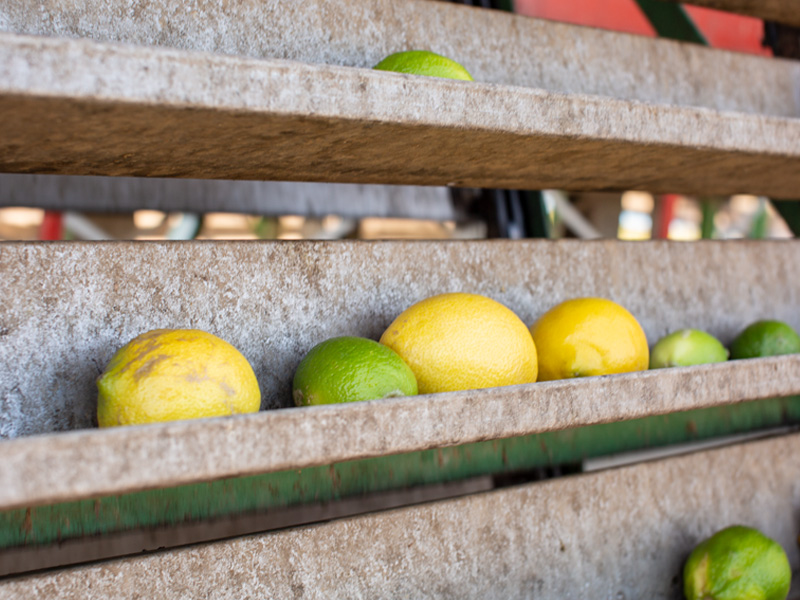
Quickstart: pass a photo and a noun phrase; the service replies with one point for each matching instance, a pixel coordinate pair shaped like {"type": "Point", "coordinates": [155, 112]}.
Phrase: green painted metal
{"type": "Point", "coordinates": [671, 21]}
{"type": "Point", "coordinates": [790, 211]}
{"type": "Point", "coordinates": [39, 526]}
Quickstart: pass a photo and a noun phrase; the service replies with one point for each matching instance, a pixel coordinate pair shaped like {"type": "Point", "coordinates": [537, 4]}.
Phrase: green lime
{"type": "Point", "coordinates": [687, 347]}
{"type": "Point", "coordinates": [350, 369]}
{"type": "Point", "coordinates": [422, 62]}
{"type": "Point", "coordinates": [765, 338]}
{"type": "Point", "coordinates": [737, 563]}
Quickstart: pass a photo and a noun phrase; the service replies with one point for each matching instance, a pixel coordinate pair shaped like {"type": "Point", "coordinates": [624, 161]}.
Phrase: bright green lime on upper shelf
{"type": "Point", "coordinates": [351, 369]}
{"type": "Point", "coordinates": [422, 62]}
{"type": "Point", "coordinates": [737, 563]}
{"type": "Point", "coordinates": [766, 338]}
{"type": "Point", "coordinates": [687, 347]}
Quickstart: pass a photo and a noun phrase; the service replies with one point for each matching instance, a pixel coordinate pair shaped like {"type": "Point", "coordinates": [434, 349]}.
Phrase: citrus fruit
{"type": "Point", "coordinates": [737, 563]}
{"type": "Point", "coordinates": [462, 341]}
{"type": "Point", "coordinates": [687, 347]}
{"type": "Point", "coordinates": [350, 369]}
{"type": "Point", "coordinates": [588, 336]}
{"type": "Point", "coordinates": [765, 338]}
{"type": "Point", "coordinates": [173, 374]}
{"type": "Point", "coordinates": [422, 62]}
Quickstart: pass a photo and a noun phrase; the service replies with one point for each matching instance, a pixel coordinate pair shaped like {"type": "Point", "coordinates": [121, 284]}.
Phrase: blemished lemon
{"type": "Point", "coordinates": [687, 347]}
{"type": "Point", "coordinates": [737, 563]}
{"type": "Point", "coordinates": [423, 62]}
{"type": "Point", "coordinates": [175, 374]}
{"type": "Point", "coordinates": [765, 338]}
{"type": "Point", "coordinates": [588, 336]}
{"type": "Point", "coordinates": [462, 341]}
{"type": "Point", "coordinates": [351, 369]}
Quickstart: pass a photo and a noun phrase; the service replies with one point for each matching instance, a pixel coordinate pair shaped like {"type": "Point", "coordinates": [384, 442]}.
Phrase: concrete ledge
{"type": "Point", "coordinates": [94, 463]}
{"type": "Point", "coordinates": [622, 533]}
{"type": "Point", "coordinates": [78, 107]}
{"type": "Point", "coordinates": [782, 11]}
{"type": "Point", "coordinates": [510, 50]}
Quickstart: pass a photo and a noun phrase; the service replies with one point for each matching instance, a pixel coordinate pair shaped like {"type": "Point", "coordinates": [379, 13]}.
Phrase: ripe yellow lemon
{"type": "Point", "coordinates": [462, 342]}
{"type": "Point", "coordinates": [422, 62]}
{"type": "Point", "coordinates": [588, 336]}
{"type": "Point", "coordinates": [351, 369]}
{"type": "Point", "coordinates": [174, 374]}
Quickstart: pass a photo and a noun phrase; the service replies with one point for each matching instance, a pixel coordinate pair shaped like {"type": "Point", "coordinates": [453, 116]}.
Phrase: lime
{"type": "Point", "coordinates": [173, 374]}
{"type": "Point", "coordinates": [350, 369]}
{"type": "Point", "coordinates": [687, 347]}
{"type": "Point", "coordinates": [588, 336]}
{"type": "Point", "coordinates": [765, 338]}
{"type": "Point", "coordinates": [737, 563]}
{"type": "Point", "coordinates": [463, 342]}
{"type": "Point", "coordinates": [422, 62]}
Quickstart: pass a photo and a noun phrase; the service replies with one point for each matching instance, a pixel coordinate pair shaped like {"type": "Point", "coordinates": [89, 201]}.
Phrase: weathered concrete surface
{"type": "Point", "coordinates": [510, 49]}
{"type": "Point", "coordinates": [95, 463]}
{"type": "Point", "coordinates": [622, 533]}
{"type": "Point", "coordinates": [78, 107]}
{"type": "Point", "coordinates": [69, 306]}
{"type": "Point", "coordinates": [126, 194]}
{"type": "Point", "coordinates": [782, 11]}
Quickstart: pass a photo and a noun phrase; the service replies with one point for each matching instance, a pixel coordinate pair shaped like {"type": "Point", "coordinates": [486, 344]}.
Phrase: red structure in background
{"type": "Point", "coordinates": [52, 226]}
{"type": "Point", "coordinates": [721, 29]}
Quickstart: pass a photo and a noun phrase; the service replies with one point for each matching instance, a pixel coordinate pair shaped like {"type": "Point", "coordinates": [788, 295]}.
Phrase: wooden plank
{"type": "Point", "coordinates": [781, 11]}
{"type": "Point", "coordinates": [510, 50]}
{"type": "Point", "coordinates": [127, 194]}
{"type": "Point", "coordinates": [99, 109]}
{"type": "Point", "coordinates": [621, 533]}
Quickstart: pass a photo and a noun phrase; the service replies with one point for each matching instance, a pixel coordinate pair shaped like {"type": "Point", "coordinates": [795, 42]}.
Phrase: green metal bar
{"type": "Point", "coordinates": [671, 21]}
{"type": "Point", "coordinates": [790, 211]}
{"type": "Point", "coordinates": [40, 526]}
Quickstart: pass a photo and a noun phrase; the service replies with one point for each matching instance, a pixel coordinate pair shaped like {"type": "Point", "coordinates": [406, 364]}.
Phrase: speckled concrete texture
{"type": "Point", "coordinates": [71, 305]}
{"type": "Point", "coordinates": [126, 194]}
{"type": "Point", "coordinates": [618, 534]}
{"type": "Point", "coordinates": [495, 47]}
{"type": "Point", "coordinates": [78, 107]}
{"type": "Point", "coordinates": [782, 11]}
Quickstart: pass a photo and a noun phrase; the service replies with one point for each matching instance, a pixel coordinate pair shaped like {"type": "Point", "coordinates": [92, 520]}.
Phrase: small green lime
{"type": "Point", "coordinates": [765, 338]}
{"type": "Point", "coordinates": [350, 369]}
{"type": "Point", "coordinates": [422, 62]}
{"type": "Point", "coordinates": [687, 347]}
{"type": "Point", "coordinates": [737, 563]}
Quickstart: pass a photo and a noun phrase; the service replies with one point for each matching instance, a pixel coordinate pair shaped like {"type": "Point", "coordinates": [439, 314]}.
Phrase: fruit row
{"type": "Point", "coordinates": [445, 343]}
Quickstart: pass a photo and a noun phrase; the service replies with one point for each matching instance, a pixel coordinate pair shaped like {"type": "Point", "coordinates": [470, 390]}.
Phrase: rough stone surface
{"type": "Point", "coordinates": [495, 47]}
{"type": "Point", "coordinates": [78, 107]}
{"type": "Point", "coordinates": [782, 11]}
{"type": "Point", "coordinates": [126, 194]}
{"type": "Point", "coordinates": [69, 306]}
{"type": "Point", "coordinates": [622, 533]}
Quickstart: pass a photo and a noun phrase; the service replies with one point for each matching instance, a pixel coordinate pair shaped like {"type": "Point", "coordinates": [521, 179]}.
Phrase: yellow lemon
{"type": "Point", "coordinates": [589, 336]}
{"type": "Point", "coordinates": [462, 342]}
{"type": "Point", "coordinates": [173, 374]}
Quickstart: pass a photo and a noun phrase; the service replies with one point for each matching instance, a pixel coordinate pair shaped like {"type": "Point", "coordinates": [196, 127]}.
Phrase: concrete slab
{"type": "Point", "coordinates": [508, 50]}
{"type": "Point", "coordinates": [127, 194]}
{"type": "Point", "coordinates": [622, 533]}
{"type": "Point", "coordinates": [78, 107]}
{"type": "Point", "coordinates": [71, 305]}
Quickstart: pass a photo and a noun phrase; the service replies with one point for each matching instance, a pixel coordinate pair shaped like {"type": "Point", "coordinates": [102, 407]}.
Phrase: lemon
{"type": "Point", "coordinates": [422, 62]}
{"type": "Point", "coordinates": [462, 341]}
{"type": "Point", "coordinates": [687, 347]}
{"type": "Point", "coordinates": [737, 563]}
{"type": "Point", "coordinates": [351, 369]}
{"type": "Point", "coordinates": [173, 374]}
{"type": "Point", "coordinates": [588, 336]}
{"type": "Point", "coordinates": [765, 338]}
